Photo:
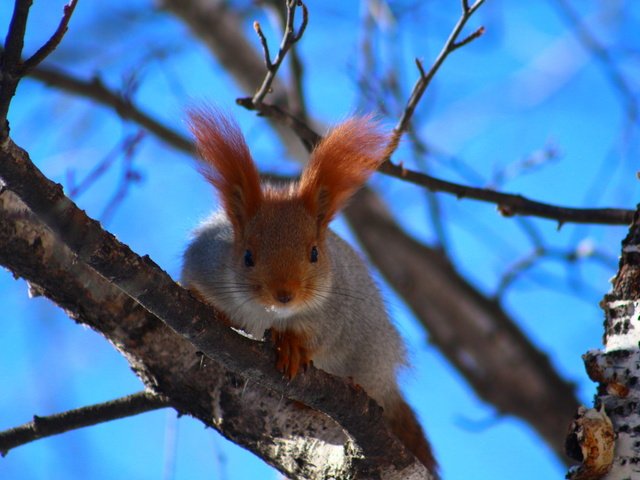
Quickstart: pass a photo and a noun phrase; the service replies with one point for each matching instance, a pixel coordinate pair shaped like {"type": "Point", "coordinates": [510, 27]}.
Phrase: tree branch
{"type": "Point", "coordinates": [12, 70]}
{"type": "Point", "coordinates": [51, 44]}
{"type": "Point", "coordinates": [168, 363]}
{"type": "Point", "coordinates": [42, 427]}
{"type": "Point", "coordinates": [425, 78]}
{"type": "Point", "coordinates": [10, 76]}
{"type": "Point", "coordinates": [289, 38]}
{"type": "Point", "coordinates": [14, 41]}
{"type": "Point", "coordinates": [512, 204]}
{"type": "Point", "coordinates": [96, 90]}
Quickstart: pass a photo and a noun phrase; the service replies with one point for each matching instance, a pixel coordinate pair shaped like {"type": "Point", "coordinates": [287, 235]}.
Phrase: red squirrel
{"type": "Point", "coordinates": [269, 261]}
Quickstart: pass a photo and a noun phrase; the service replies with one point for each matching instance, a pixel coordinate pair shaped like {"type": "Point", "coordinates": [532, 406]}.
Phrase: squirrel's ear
{"type": "Point", "coordinates": [339, 165]}
{"type": "Point", "coordinates": [228, 164]}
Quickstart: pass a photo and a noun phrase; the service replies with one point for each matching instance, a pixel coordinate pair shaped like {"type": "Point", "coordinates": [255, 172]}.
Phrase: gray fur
{"type": "Point", "coordinates": [350, 326]}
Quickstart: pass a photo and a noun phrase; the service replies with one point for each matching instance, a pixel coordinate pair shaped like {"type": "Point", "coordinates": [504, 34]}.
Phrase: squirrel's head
{"type": "Point", "coordinates": [280, 251]}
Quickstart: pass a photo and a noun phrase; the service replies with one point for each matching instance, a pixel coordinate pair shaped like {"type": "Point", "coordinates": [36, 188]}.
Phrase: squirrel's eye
{"type": "Point", "coordinates": [314, 254]}
{"type": "Point", "coordinates": [248, 259]}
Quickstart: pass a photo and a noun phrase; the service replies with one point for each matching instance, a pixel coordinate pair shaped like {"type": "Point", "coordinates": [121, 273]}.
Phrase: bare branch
{"type": "Point", "coordinates": [470, 38]}
{"type": "Point", "coordinates": [264, 43]}
{"type": "Point", "coordinates": [15, 36]}
{"type": "Point", "coordinates": [41, 427]}
{"type": "Point", "coordinates": [10, 61]}
{"type": "Point", "coordinates": [11, 68]}
{"type": "Point", "coordinates": [296, 96]}
{"type": "Point", "coordinates": [51, 44]}
{"type": "Point", "coordinates": [96, 90]}
{"type": "Point", "coordinates": [508, 204]}
{"type": "Point", "coordinates": [425, 79]}
{"type": "Point", "coordinates": [512, 204]}
{"type": "Point", "coordinates": [289, 38]}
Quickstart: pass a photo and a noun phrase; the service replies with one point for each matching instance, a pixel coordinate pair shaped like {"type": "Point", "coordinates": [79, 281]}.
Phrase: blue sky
{"type": "Point", "coordinates": [524, 88]}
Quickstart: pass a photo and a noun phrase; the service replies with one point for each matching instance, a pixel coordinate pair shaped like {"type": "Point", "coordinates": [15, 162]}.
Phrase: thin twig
{"type": "Point", "coordinates": [296, 97]}
{"type": "Point", "coordinates": [289, 38]}
{"type": "Point", "coordinates": [512, 204]}
{"type": "Point", "coordinates": [129, 176]}
{"type": "Point", "coordinates": [468, 39]}
{"type": "Point", "coordinates": [41, 427]}
{"type": "Point", "coordinates": [96, 90]}
{"type": "Point", "coordinates": [124, 145]}
{"type": "Point", "coordinates": [12, 70]}
{"type": "Point", "coordinates": [265, 45]}
{"type": "Point", "coordinates": [15, 36]}
{"type": "Point", "coordinates": [51, 44]}
{"type": "Point", "coordinates": [425, 78]}
{"type": "Point", "coordinates": [602, 56]}
{"type": "Point", "coordinates": [10, 61]}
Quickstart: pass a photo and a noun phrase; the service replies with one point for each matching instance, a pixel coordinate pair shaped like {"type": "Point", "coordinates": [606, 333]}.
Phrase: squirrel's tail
{"type": "Point", "coordinates": [405, 426]}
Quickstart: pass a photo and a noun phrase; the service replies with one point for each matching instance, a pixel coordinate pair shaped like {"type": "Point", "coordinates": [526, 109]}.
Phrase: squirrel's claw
{"type": "Point", "coordinates": [291, 352]}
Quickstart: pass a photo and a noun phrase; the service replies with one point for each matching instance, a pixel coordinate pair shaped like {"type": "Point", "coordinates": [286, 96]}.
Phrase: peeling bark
{"type": "Point", "coordinates": [617, 367]}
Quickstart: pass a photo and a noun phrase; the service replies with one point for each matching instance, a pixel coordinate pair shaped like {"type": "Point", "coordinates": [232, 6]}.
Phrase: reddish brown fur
{"type": "Point", "coordinates": [339, 166]}
{"type": "Point", "coordinates": [231, 169]}
{"type": "Point", "coordinates": [278, 267]}
{"type": "Point", "coordinates": [405, 426]}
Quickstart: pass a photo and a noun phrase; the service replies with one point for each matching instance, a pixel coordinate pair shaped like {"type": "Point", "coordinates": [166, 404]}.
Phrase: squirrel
{"type": "Point", "coordinates": [269, 262]}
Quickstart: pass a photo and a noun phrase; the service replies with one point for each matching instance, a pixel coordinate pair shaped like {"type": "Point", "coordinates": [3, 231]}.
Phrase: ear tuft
{"type": "Point", "coordinates": [339, 165]}
{"type": "Point", "coordinates": [228, 163]}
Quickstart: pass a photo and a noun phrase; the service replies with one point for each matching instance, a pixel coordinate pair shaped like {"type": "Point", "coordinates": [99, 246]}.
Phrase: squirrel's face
{"type": "Point", "coordinates": [283, 259]}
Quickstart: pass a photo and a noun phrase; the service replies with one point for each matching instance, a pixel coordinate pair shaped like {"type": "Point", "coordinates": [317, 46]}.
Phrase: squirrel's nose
{"type": "Point", "coordinates": [284, 296]}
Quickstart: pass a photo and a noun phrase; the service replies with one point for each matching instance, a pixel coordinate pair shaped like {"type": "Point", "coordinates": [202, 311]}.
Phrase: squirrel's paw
{"type": "Point", "coordinates": [291, 352]}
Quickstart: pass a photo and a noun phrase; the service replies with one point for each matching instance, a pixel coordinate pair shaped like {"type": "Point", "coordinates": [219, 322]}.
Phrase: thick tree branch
{"type": "Point", "coordinates": [245, 412]}
{"type": "Point", "coordinates": [41, 427]}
